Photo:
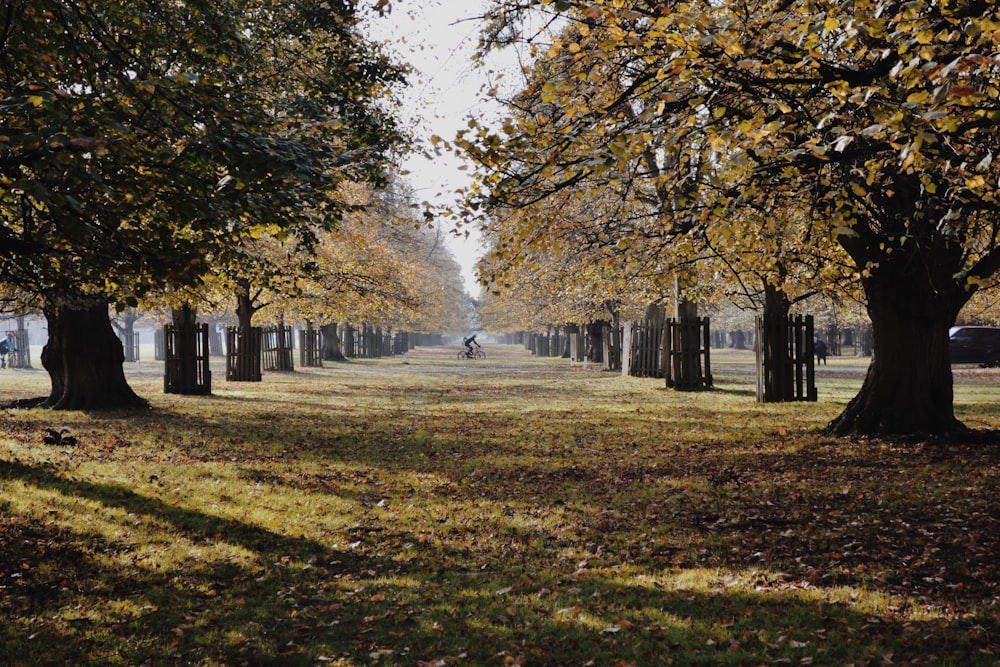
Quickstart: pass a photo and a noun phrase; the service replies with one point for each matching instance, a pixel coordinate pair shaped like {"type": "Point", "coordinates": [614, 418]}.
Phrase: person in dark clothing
{"type": "Point", "coordinates": [7, 346]}
{"type": "Point", "coordinates": [469, 342]}
{"type": "Point", "coordinates": [820, 348]}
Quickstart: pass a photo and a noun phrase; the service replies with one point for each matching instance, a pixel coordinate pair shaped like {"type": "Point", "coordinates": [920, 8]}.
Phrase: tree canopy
{"type": "Point", "coordinates": [140, 142]}
{"type": "Point", "coordinates": [140, 139]}
{"type": "Point", "coordinates": [875, 120]}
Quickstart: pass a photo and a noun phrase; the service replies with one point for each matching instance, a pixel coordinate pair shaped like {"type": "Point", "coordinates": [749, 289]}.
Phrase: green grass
{"type": "Point", "coordinates": [508, 512]}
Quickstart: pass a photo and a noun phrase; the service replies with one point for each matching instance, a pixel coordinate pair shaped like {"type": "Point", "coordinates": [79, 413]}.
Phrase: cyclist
{"type": "Point", "coordinates": [468, 343]}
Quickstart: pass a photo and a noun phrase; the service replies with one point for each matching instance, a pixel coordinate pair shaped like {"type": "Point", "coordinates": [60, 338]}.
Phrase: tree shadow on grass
{"type": "Point", "coordinates": [395, 598]}
{"type": "Point", "coordinates": [71, 594]}
{"type": "Point", "coordinates": [597, 619]}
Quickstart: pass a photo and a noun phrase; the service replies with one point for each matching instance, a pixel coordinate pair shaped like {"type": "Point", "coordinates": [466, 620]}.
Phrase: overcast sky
{"type": "Point", "coordinates": [438, 38]}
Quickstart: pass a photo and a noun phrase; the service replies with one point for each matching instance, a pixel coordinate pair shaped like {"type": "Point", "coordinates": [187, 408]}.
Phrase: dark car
{"type": "Point", "coordinates": [975, 345]}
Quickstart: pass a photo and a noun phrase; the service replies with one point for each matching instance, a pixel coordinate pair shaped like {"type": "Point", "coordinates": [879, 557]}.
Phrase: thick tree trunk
{"type": "Point", "coordinates": [331, 343]}
{"type": "Point", "coordinates": [595, 349]}
{"type": "Point", "coordinates": [908, 388]}
{"type": "Point", "coordinates": [84, 357]}
{"type": "Point", "coordinates": [914, 282]}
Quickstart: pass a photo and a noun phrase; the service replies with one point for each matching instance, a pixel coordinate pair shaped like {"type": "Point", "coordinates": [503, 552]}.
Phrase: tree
{"type": "Point", "coordinates": [554, 262]}
{"type": "Point", "coordinates": [140, 142]}
{"type": "Point", "coordinates": [382, 266]}
{"type": "Point", "coordinates": [881, 116]}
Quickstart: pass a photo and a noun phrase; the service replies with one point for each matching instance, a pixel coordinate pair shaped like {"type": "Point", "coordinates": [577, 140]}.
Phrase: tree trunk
{"type": "Point", "coordinates": [595, 349]}
{"type": "Point", "coordinates": [331, 343]}
{"type": "Point", "coordinates": [126, 332]}
{"type": "Point", "coordinates": [247, 360]}
{"type": "Point", "coordinates": [915, 286]}
{"type": "Point", "coordinates": [84, 357]}
{"type": "Point", "coordinates": [908, 388]}
{"type": "Point", "coordinates": [687, 372]}
{"type": "Point", "coordinates": [777, 372]}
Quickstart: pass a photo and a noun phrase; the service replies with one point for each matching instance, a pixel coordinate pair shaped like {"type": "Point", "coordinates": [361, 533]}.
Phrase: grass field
{"type": "Point", "coordinates": [509, 512]}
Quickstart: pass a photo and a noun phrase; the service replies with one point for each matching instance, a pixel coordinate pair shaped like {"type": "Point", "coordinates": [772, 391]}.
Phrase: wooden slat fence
{"type": "Point", "coordinates": [310, 348]}
{"type": "Point", "coordinates": [786, 360]}
{"type": "Point", "coordinates": [688, 345]}
{"type": "Point", "coordinates": [185, 368]}
{"type": "Point", "coordinates": [21, 357]}
{"type": "Point", "coordinates": [276, 348]}
{"type": "Point", "coordinates": [643, 346]}
{"type": "Point", "coordinates": [243, 365]}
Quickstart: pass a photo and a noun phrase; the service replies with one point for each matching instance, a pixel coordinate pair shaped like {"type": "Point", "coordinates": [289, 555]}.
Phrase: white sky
{"type": "Point", "coordinates": [437, 38]}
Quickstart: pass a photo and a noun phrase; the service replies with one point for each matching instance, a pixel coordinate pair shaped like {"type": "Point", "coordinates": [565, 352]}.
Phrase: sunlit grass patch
{"type": "Point", "coordinates": [518, 512]}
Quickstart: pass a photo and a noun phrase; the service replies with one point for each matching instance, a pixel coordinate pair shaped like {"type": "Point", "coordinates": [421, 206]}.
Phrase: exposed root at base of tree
{"type": "Point", "coordinates": [25, 403]}
{"type": "Point", "coordinates": [139, 404]}
{"type": "Point", "coordinates": [958, 437]}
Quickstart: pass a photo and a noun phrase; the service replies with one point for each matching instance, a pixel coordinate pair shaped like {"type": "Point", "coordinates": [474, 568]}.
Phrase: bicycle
{"type": "Point", "coordinates": [476, 354]}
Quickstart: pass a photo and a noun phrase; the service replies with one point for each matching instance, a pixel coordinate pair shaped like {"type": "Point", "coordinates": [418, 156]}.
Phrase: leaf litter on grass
{"type": "Point", "coordinates": [537, 517]}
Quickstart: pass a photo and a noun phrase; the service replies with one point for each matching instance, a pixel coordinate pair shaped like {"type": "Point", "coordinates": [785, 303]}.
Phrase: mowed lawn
{"type": "Point", "coordinates": [515, 511]}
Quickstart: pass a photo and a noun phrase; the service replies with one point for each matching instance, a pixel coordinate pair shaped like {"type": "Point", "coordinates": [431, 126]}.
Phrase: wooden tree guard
{"type": "Point", "coordinates": [687, 342]}
{"type": "Point", "coordinates": [612, 340]}
{"type": "Point", "coordinates": [643, 345]}
{"type": "Point", "coordinates": [540, 345]}
{"type": "Point", "coordinates": [185, 368]}
{"type": "Point", "coordinates": [786, 359]}
{"type": "Point", "coordinates": [310, 348]}
{"type": "Point", "coordinates": [370, 342]}
{"type": "Point", "coordinates": [401, 342]}
{"type": "Point", "coordinates": [276, 349]}
{"type": "Point", "coordinates": [374, 343]}
{"type": "Point", "coordinates": [387, 343]}
{"type": "Point", "coordinates": [350, 348]}
{"type": "Point", "coordinates": [243, 354]}
{"type": "Point", "coordinates": [364, 337]}
{"type": "Point", "coordinates": [215, 342]}
{"type": "Point", "coordinates": [130, 347]}
{"type": "Point", "coordinates": [21, 357]}
{"type": "Point", "coordinates": [577, 345]}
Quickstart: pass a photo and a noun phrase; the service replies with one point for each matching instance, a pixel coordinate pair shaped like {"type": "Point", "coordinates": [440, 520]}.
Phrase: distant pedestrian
{"type": "Point", "coordinates": [7, 346]}
{"type": "Point", "coordinates": [820, 348]}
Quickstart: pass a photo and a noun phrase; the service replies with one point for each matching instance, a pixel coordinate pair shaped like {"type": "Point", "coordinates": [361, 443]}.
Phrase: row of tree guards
{"type": "Point", "coordinates": [679, 351]}
{"type": "Point", "coordinates": [185, 351]}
